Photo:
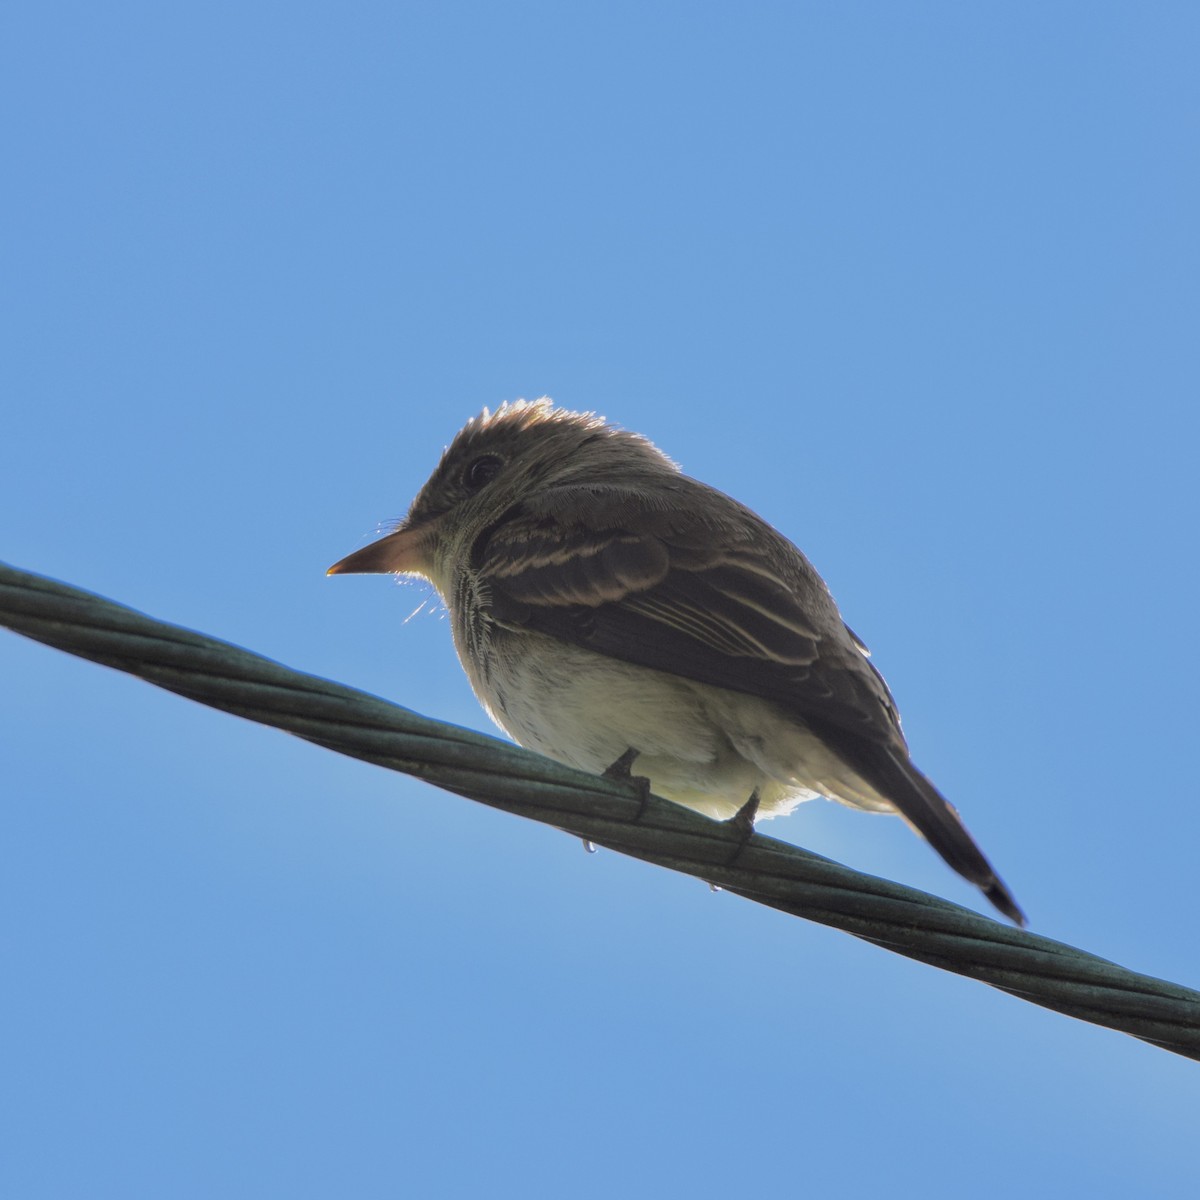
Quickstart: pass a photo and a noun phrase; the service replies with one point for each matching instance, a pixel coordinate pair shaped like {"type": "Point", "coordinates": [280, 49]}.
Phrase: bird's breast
{"type": "Point", "coordinates": [702, 746]}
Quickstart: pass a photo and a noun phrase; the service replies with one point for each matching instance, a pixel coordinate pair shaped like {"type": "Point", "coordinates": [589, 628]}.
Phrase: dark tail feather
{"type": "Point", "coordinates": [890, 772]}
{"type": "Point", "coordinates": [937, 820]}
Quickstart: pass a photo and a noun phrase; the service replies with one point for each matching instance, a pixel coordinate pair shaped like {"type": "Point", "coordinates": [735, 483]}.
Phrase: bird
{"type": "Point", "coordinates": [610, 610]}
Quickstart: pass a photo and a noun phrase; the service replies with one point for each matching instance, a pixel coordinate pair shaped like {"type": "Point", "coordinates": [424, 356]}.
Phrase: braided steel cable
{"type": "Point", "coordinates": [607, 812]}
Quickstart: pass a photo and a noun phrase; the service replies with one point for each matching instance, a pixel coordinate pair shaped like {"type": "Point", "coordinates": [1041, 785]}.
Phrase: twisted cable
{"type": "Point", "coordinates": [606, 812]}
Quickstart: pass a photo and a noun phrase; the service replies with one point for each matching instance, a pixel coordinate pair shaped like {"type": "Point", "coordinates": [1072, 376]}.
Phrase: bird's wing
{"type": "Point", "coordinates": [725, 602]}
{"type": "Point", "coordinates": [655, 580]}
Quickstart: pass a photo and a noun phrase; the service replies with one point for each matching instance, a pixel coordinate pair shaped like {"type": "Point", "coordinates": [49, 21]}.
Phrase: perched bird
{"type": "Point", "coordinates": [607, 608]}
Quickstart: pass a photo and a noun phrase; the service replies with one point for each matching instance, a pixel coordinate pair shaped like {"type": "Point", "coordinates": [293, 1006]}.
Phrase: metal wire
{"type": "Point", "coordinates": [605, 812]}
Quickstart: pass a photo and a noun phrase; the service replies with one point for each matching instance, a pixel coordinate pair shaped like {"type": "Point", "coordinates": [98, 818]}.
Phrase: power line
{"type": "Point", "coordinates": [606, 812]}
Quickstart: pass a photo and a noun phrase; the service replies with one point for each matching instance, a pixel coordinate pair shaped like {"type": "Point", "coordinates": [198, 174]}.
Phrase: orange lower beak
{"type": "Point", "coordinates": [399, 553]}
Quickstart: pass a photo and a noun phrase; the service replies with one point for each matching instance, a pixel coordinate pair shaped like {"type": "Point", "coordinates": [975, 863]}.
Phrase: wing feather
{"type": "Point", "coordinates": [726, 602]}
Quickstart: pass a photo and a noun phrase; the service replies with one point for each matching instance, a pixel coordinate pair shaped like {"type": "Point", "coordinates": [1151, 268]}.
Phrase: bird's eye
{"type": "Point", "coordinates": [482, 470]}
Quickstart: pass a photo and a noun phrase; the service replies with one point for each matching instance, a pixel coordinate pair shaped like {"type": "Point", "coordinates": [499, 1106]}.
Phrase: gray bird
{"type": "Point", "coordinates": [607, 608]}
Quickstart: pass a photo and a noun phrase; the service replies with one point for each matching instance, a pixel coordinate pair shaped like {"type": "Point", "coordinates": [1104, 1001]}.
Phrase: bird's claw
{"type": "Point", "coordinates": [742, 822]}
{"type": "Point", "coordinates": [620, 770]}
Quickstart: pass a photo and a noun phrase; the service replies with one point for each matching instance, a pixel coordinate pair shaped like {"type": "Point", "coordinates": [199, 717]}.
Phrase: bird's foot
{"type": "Point", "coordinates": [742, 822]}
{"type": "Point", "coordinates": [621, 770]}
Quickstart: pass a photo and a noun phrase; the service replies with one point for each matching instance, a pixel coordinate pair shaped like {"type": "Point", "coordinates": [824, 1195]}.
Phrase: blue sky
{"type": "Point", "coordinates": [918, 283]}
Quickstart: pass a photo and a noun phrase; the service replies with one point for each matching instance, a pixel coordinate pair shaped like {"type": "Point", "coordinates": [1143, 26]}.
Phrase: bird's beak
{"type": "Point", "coordinates": [399, 553]}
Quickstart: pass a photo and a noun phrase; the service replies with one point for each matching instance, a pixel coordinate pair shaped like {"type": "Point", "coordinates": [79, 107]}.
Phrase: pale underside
{"type": "Point", "coordinates": [701, 746]}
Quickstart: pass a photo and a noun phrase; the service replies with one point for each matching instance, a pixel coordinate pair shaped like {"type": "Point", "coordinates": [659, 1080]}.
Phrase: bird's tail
{"type": "Point", "coordinates": [938, 822]}
{"type": "Point", "coordinates": [891, 773]}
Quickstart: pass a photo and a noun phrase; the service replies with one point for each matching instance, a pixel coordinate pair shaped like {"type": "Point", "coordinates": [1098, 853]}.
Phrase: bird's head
{"type": "Point", "coordinates": [496, 462]}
